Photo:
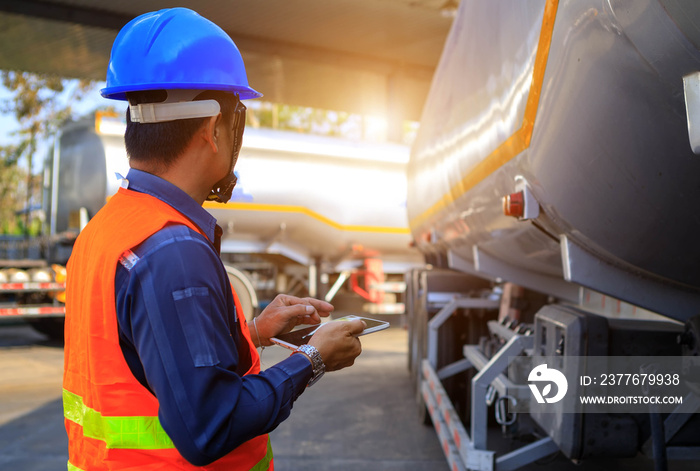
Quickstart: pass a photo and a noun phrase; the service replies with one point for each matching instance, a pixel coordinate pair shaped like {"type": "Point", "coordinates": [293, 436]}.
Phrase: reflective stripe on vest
{"type": "Point", "coordinates": [262, 465]}
{"type": "Point", "coordinates": [142, 433]}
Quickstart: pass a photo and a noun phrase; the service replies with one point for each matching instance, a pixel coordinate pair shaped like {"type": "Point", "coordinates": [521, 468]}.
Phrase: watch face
{"type": "Point", "coordinates": [315, 357]}
{"type": "Point", "coordinates": [316, 362]}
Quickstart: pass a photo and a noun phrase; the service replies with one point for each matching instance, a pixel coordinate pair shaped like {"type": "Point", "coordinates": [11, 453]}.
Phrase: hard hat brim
{"type": "Point", "coordinates": [119, 93]}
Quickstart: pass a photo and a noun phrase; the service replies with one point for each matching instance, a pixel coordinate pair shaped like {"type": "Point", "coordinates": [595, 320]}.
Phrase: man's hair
{"type": "Point", "coordinates": [158, 145]}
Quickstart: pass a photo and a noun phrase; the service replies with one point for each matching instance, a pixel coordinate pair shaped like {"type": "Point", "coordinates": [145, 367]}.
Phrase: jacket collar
{"type": "Point", "coordinates": [165, 191]}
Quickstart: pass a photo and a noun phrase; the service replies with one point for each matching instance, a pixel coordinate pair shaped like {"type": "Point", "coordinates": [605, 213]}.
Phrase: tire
{"type": "Point", "coordinates": [244, 290]}
{"type": "Point", "coordinates": [52, 327]}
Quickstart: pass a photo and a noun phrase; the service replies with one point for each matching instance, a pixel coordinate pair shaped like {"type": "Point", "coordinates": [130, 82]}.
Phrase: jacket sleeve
{"type": "Point", "coordinates": [179, 337]}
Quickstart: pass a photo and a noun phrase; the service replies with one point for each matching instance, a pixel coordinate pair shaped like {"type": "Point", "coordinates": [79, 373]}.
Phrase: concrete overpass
{"type": "Point", "coordinates": [361, 56]}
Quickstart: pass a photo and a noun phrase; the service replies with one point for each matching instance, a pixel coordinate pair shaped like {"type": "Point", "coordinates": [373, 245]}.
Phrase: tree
{"type": "Point", "coordinates": [11, 179]}
{"type": "Point", "coordinates": [40, 104]}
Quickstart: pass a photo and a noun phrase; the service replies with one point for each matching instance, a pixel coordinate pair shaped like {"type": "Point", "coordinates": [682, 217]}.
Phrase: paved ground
{"type": "Point", "coordinates": [32, 436]}
{"type": "Point", "coordinates": [362, 417]}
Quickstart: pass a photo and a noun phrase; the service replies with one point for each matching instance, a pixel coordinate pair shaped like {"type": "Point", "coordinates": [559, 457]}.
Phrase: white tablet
{"type": "Point", "coordinates": [293, 339]}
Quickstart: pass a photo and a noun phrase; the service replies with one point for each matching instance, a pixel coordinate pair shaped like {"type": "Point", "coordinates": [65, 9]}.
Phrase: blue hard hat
{"type": "Point", "coordinates": [175, 48]}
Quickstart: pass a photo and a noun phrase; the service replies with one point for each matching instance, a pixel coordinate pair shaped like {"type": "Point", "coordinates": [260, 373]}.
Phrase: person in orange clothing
{"type": "Point", "coordinates": [161, 368]}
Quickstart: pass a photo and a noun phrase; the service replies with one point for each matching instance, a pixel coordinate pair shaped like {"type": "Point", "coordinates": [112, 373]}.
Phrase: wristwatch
{"type": "Point", "coordinates": [316, 362]}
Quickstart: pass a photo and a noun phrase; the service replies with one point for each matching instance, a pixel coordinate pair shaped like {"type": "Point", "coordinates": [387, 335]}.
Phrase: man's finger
{"type": "Point", "coordinates": [298, 310]}
{"type": "Point", "coordinates": [289, 300]}
{"type": "Point", "coordinates": [321, 306]}
{"type": "Point", "coordinates": [313, 306]}
{"type": "Point", "coordinates": [357, 326]}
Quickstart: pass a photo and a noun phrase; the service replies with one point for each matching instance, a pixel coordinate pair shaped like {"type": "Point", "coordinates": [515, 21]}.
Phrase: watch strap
{"type": "Point", "coordinates": [316, 362]}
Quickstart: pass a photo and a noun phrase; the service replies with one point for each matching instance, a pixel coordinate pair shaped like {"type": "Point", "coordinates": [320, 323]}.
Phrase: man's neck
{"type": "Point", "coordinates": [181, 176]}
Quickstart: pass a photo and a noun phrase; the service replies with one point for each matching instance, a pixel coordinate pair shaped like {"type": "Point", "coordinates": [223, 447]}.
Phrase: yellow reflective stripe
{"type": "Point", "coordinates": [264, 463]}
{"type": "Point", "coordinates": [283, 208]}
{"type": "Point", "coordinates": [140, 433]}
{"type": "Point", "coordinates": [143, 433]}
{"type": "Point", "coordinates": [519, 140]}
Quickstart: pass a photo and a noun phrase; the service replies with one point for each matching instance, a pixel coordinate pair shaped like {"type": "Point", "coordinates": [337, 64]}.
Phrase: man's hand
{"type": "Point", "coordinates": [337, 343]}
{"type": "Point", "coordinates": [286, 312]}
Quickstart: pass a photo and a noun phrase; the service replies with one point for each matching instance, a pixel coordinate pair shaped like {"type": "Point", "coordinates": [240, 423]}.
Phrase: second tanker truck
{"type": "Point", "coordinates": [311, 216]}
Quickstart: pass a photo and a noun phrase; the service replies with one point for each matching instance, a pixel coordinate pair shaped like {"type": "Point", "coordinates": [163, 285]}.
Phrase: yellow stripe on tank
{"type": "Point", "coordinates": [520, 139]}
{"type": "Point", "coordinates": [281, 208]}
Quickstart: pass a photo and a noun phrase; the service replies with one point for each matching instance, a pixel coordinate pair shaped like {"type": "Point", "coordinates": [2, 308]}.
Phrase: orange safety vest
{"type": "Point", "coordinates": [111, 419]}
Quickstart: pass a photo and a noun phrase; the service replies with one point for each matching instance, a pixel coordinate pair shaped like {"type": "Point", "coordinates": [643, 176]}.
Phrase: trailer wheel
{"type": "Point", "coordinates": [244, 290]}
{"type": "Point", "coordinates": [52, 327]}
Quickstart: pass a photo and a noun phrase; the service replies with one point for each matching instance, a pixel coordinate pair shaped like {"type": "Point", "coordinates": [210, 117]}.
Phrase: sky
{"type": "Point", "coordinates": [7, 121]}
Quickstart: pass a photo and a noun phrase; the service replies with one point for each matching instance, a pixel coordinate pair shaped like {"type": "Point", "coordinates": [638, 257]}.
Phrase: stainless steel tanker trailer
{"type": "Point", "coordinates": [552, 190]}
{"type": "Point", "coordinates": [310, 215]}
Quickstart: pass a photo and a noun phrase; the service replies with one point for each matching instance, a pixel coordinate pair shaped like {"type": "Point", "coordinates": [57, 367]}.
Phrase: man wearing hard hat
{"type": "Point", "coordinates": [161, 370]}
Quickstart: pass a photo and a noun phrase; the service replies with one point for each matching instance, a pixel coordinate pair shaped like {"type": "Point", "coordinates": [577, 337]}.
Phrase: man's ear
{"type": "Point", "coordinates": [212, 132]}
